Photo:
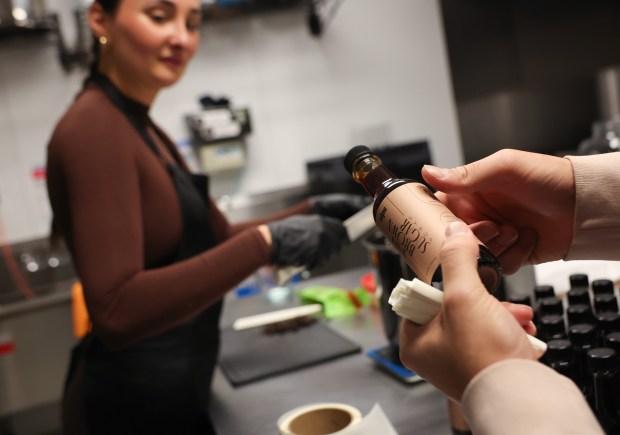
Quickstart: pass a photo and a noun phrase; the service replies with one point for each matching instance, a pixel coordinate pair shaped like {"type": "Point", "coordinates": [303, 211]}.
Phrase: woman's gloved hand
{"type": "Point", "coordinates": [306, 240]}
{"type": "Point", "coordinates": [338, 205]}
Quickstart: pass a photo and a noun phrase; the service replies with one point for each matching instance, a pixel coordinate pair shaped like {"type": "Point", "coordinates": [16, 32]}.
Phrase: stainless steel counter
{"type": "Point", "coordinates": [39, 333]}
{"type": "Point", "coordinates": [253, 409]}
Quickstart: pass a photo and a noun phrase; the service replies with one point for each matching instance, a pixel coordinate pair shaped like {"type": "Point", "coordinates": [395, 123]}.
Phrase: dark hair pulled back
{"type": "Point", "coordinates": [109, 7]}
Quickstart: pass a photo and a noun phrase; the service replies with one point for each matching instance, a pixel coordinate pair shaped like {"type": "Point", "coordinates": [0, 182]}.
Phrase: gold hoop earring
{"type": "Point", "coordinates": [103, 40]}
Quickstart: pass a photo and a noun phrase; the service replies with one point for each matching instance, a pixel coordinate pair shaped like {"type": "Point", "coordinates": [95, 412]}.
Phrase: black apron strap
{"type": "Point", "coordinates": [192, 189]}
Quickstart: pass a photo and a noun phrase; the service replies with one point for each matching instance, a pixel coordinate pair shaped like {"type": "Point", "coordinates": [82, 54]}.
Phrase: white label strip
{"type": "Point", "coordinates": [276, 316]}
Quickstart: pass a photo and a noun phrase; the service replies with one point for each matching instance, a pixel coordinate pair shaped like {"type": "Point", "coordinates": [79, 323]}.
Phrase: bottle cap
{"type": "Point", "coordinates": [550, 305]}
{"type": "Point", "coordinates": [559, 349]}
{"type": "Point", "coordinates": [579, 313]}
{"type": "Point", "coordinates": [581, 334]}
{"type": "Point", "coordinates": [543, 291]}
{"type": "Point", "coordinates": [608, 321]}
{"type": "Point", "coordinates": [602, 286]}
{"type": "Point", "coordinates": [355, 153]}
{"type": "Point", "coordinates": [579, 280]}
{"type": "Point", "coordinates": [601, 358]}
{"type": "Point", "coordinates": [605, 302]}
{"type": "Point", "coordinates": [551, 326]}
{"type": "Point", "coordinates": [578, 295]}
{"type": "Point", "coordinates": [613, 340]}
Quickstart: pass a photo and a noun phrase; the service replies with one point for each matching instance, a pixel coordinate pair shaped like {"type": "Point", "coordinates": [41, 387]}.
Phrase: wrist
{"type": "Point", "coordinates": [266, 234]}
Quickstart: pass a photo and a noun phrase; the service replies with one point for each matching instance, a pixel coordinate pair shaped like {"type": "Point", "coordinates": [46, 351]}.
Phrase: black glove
{"type": "Point", "coordinates": [338, 205]}
{"type": "Point", "coordinates": [306, 240]}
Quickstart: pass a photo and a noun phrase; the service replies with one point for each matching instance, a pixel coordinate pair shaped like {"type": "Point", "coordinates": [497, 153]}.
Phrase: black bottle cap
{"type": "Point", "coordinates": [581, 334]}
{"type": "Point", "coordinates": [602, 286]}
{"type": "Point", "coordinates": [579, 313]}
{"type": "Point", "coordinates": [559, 349]}
{"type": "Point", "coordinates": [550, 305]}
{"type": "Point", "coordinates": [613, 340]}
{"type": "Point", "coordinates": [521, 299]}
{"type": "Point", "coordinates": [602, 358]}
{"type": "Point", "coordinates": [551, 326]}
{"type": "Point", "coordinates": [578, 296]}
{"type": "Point", "coordinates": [608, 321]}
{"type": "Point", "coordinates": [543, 291]}
{"type": "Point", "coordinates": [579, 280]}
{"type": "Point", "coordinates": [606, 302]}
{"type": "Point", "coordinates": [355, 153]}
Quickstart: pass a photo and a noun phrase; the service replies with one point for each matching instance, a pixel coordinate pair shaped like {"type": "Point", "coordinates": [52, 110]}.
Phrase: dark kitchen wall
{"type": "Point", "coordinates": [524, 72]}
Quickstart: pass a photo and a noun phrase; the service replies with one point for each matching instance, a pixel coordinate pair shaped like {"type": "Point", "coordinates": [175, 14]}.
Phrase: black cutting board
{"type": "Point", "coordinates": [249, 355]}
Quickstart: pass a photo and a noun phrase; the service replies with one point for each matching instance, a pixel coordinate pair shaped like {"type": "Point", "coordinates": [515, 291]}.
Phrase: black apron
{"type": "Point", "coordinates": [160, 385]}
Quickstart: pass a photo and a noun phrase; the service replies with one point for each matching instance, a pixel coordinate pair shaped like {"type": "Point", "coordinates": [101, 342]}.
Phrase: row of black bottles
{"type": "Point", "coordinates": [582, 332]}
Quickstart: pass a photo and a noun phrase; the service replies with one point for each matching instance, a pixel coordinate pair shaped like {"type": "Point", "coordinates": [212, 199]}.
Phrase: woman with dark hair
{"type": "Point", "coordinates": [154, 254]}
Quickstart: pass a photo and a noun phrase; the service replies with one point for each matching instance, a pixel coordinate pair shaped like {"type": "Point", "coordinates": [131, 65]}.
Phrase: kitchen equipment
{"type": "Point", "coordinates": [250, 354]}
{"type": "Point", "coordinates": [388, 268]}
{"type": "Point", "coordinates": [22, 13]}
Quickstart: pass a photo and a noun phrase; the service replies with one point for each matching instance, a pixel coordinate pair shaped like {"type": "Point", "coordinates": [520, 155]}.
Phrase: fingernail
{"type": "Point", "coordinates": [456, 228]}
{"type": "Point", "coordinates": [486, 233]}
{"type": "Point", "coordinates": [436, 172]}
{"type": "Point", "coordinates": [510, 234]}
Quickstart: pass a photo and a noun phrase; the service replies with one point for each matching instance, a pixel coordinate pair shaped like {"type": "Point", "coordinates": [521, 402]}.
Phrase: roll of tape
{"type": "Point", "coordinates": [319, 419]}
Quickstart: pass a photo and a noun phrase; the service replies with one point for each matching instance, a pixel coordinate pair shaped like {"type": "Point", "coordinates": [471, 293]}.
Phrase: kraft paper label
{"type": "Point", "coordinates": [414, 221]}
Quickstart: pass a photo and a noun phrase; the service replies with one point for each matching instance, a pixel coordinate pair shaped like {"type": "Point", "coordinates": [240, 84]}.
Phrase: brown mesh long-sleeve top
{"type": "Point", "coordinates": [115, 203]}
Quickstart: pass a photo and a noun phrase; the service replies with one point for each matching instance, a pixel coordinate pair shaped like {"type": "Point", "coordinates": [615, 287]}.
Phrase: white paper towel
{"type": "Point", "coordinates": [374, 423]}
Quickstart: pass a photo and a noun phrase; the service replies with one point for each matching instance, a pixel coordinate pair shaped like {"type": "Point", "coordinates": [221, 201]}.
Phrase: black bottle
{"type": "Point", "coordinates": [550, 305]}
{"type": "Point", "coordinates": [560, 356]}
{"type": "Point", "coordinates": [551, 327]}
{"type": "Point", "coordinates": [612, 340]}
{"type": "Point", "coordinates": [579, 313]}
{"type": "Point", "coordinates": [543, 291]}
{"type": "Point", "coordinates": [606, 323]}
{"type": "Point", "coordinates": [578, 295]}
{"type": "Point", "coordinates": [579, 280]}
{"type": "Point", "coordinates": [583, 338]}
{"type": "Point", "coordinates": [412, 218]}
{"type": "Point", "coordinates": [603, 366]}
{"type": "Point", "coordinates": [605, 303]}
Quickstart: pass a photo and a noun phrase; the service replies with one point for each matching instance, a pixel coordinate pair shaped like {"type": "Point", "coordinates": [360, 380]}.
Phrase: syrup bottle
{"type": "Point", "coordinates": [603, 366]}
{"type": "Point", "coordinates": [412, 218]}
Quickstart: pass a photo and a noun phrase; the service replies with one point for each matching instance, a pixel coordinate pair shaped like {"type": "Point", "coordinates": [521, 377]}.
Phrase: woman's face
{"type": "Point", "coordinates": [150, 42]}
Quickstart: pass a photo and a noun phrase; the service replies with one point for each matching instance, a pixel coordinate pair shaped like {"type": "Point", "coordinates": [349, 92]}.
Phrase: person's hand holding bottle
{"type": "Point", "coordinates": [472, 331]}
{"type": "Point", "coordinates": [520, 204]}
